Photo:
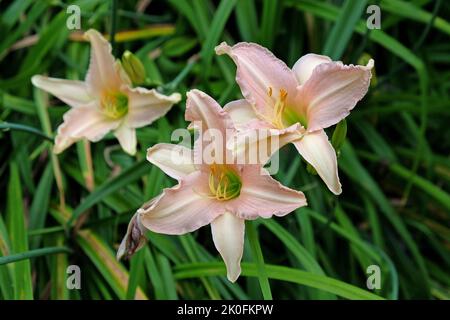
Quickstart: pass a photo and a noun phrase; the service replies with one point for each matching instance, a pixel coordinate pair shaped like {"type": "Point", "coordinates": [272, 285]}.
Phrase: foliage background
{"type": "Point", "coordinates": [74, 208]}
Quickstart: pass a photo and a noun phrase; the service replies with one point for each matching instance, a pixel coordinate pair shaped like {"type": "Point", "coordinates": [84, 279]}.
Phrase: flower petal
{"type": "Point", "coordinates": [183, 208]}
{"type": "Point", "coordinates": [175, 160]}
{"type": "Point", "coordinates": [228, 235]}
{"type": "Point", "coordinates": [146, 106]}
{"type": "Point", "coordinates": [102, 74]}
{"type": "Point", "coordinates": [262, 196]}
{"type": "Point", "coordinates": [201, 107]}
{"type": "Point", "coordinates": [332, 91]}
{"type": "Point", "coordinates": [258, 72]}
{"type": "Point", "coordinates": [215, 124]}
{"type": "Point", "coordinates": [305, 66]}
{"type": "Point", "coordinates": [127, 138]}
{"type": "Point", "coordinates": [318, 151]}
{"type": "Point", "coordinates": [72, 92]}
{"type": "Point", "coordinates": [81, 123]}
{"type": "Point", "coordinates": [242, 114]}
{"type": "Point", "coordinates": [257, 145]}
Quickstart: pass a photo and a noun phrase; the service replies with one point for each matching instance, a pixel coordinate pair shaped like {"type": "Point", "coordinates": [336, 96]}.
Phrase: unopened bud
{"type": "Point", "coordinates": [133, 67]}
{"type": "Point", "coordinates": [339, 134]}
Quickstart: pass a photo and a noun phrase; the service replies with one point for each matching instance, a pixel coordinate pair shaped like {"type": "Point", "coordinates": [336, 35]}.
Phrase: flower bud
{"type": "Point", "coordinates": [133, 67]}
{"type": "Point", "coordinates": [339, 134]}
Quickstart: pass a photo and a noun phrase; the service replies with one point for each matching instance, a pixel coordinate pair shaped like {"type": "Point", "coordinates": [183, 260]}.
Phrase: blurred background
{"type": "Point", "coordinates": [73, 209]}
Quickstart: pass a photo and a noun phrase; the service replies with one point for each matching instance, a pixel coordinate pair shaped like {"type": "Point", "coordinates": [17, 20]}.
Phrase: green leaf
{"type": "Point", "coordinates": [15, 220]}
{"type": "Point", "coordinates": [32, 254]}
{"type": "Point", "coordinates": [303, 256]}
{"type": "Point", "coordinates": [271, 13]}
{"type": "Point", "coordinates": [136, 271]}
{"type": "Point", "coordinates": [342, 30]}
{"type": "Point", "coordinates": [259, 260]}
{"type": "Point", "coordinates": [214, 32]}
{"type": "Point", "coordinates": [6, 272]}
{"type": "Point", "coordinates": [342, 289]}
{"type": "Point", "coordinates": [17, 126]}
{"type": "Point", "coordinates": [352, 167]}
{"type": "Point", "coordinates": [247, 20]}
{"type": "Point", "coordinates": [124, 178]}
{"type": "Point", "coordinates": [411, 11]}
{"type": "Point", "coordinates": [105, 261]}
{"type": "Point", "coordinates": [40, 203]}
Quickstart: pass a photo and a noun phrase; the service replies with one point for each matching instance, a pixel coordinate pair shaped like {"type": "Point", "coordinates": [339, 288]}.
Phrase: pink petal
{"type": "Point", "coordinates": [305, 66]}
{"type": "Point", "coordinates": [262, 196]}
{"type": "Point", "coordinates": [258, 72]}
{"type": "Point", "coordinates": [183, 208]}
{"type": "Point", "coordinates": [146, 106]}
{"type": "Point", "coordinates": [318, 151]}
{"type": "Point", "coordinates": [175, 160]}
{"type": "Point", "coordinates": [102, 74]}
{"type": "Point", "coordinates": [242, 114]}
{"type": "Point", "coordinates": [257, 145]}
{"type": "Point", "coordinates": [201, 107]}
{"type": "Point", "coordinates": [80, 123]}
{"type": "Point", "coordinates": [72, 92]}
{"type": "Point", "coordinates": [215, 124]}
{"type": "Point", "coordinates": [228, 235]}
{"type": "Point", "coordinates": [127, 138]}
{"type": "Point", "coordinates": [332, 91]}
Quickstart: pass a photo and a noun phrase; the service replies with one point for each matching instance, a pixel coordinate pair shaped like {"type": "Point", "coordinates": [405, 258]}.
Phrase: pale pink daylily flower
{"type": "Point", "coordinates": [223, 195]}
{"type": "Point", "coordinates": [105, 101]}
{"type": "Point", "coordinates": [315, 94]}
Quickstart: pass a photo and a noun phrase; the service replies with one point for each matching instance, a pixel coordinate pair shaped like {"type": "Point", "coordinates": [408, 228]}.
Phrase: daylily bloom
{"type": "Point", "coordinates": [299, 102]}
{"type": "Point", "coordinates": [104, 102]}
{"type": "Point", "coordinates": [221, 194]}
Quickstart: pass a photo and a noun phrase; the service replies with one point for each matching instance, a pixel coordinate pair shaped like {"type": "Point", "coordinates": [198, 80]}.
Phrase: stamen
{"type": "Point", "coordinates": [280, 105]}
{"type": "Point", "coordinates": [224, 184]}
{"type": "Point", "coordinates": [282, 116]}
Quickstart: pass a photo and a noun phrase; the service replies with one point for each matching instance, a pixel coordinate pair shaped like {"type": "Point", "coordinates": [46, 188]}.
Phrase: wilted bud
{"type": "Point", "coordinates": [133, 67]}
{"type": "Point", "coordinates": [339, 134]}
{"type": "Point", "coordinates": [133, 240]}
